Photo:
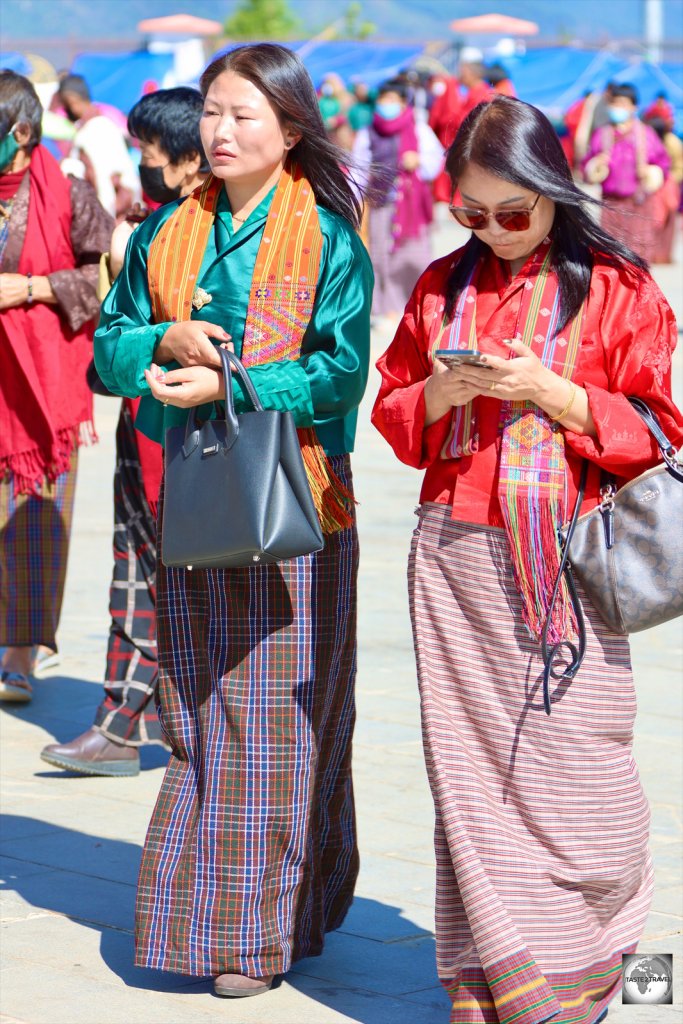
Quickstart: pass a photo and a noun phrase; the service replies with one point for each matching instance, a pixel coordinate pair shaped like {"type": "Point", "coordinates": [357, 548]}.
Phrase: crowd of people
{"type": "Point", "coordinates": [273, 219]}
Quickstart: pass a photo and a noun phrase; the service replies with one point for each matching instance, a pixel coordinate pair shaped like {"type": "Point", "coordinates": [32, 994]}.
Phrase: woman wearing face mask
{"type": "Point", "coordinates": [400, 155]}
{"type": "Point", "coordinates": [630, 161]}
{"type": "Point", "coordinates": [52, 231]}
{"type": "Point", "coordinates": [544, 878]}
{"type": "Point", "coordinates": [251, 855]}
{"type": "Point", "coordinates": [166, 124]}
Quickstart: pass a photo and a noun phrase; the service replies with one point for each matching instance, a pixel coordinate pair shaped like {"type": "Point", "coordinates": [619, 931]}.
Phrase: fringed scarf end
{"type": "Point", "coordinates": [333, 501]}
{"type": "Point", "coordinates": [536, 562]}
{"type": "Point", "coordinates": [30, 469]}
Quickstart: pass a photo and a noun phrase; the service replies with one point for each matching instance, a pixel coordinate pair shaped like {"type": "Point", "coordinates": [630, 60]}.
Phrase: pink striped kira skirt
{"type": "Point", "coordinates": [543, 873]}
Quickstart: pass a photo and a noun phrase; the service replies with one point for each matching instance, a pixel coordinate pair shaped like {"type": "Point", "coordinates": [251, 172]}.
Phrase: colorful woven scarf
{"type": "Point", "coordinates": [281, 298]}
{"type": "Point", "coordinates": [532, 480]}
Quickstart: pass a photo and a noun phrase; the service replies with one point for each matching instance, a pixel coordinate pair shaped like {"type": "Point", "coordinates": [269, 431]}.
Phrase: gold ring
{"type": "Point", "coordinates": [165, 401]}
{"type": "Point", "coordinates": [493, 384]}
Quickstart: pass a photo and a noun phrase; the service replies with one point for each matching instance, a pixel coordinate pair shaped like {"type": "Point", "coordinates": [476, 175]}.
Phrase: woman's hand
{"type": "Point", "coordinates": [14, 289]}
{"type": "Point", "coordinates": [522, 378]}
{"type": "Point", "coordinates": [187, 387]}
{"type": "Point", "coordinates": [525, 378]}
{"type": "Point", "coordinates": [188, 343]}
{"type": "Point", "coordinates": [444, 390]}
{"type": "Point", "coordinates": [410, 160]}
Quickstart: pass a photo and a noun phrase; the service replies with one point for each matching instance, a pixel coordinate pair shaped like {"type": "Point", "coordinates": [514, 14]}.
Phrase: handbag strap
{"type": "Point", "coordinates": [668, 450]}
{"type": "Point", "coordinates": [551, 654]}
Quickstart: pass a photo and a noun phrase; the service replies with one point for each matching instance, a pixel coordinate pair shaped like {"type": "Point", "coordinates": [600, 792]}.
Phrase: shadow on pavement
{"type": "Point", "coordinates": [91, 880]}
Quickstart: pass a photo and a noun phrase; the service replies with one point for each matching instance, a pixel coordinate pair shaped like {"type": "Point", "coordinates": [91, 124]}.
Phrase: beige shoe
{"type": "Point", "coordinates": [15, 688]}
{"type": "Point", "coordinates": [238, 986]}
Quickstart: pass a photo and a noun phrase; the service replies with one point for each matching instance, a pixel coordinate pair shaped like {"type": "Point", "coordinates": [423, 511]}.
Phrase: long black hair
{"type": "Point", "coordinates": [516, 142]}
{"type": "Point", "coordinates": [280, 75]}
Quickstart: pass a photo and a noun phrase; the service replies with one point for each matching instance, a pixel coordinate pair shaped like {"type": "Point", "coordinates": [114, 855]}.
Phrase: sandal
{"type": "Point", "coordinates": [15, 688]}
{"type": "Point", "coordinates": [238, 986]}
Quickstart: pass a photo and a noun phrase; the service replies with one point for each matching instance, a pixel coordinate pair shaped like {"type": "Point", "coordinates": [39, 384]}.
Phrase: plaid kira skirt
{"type": "Point", "coordinates": [543, 873]}
{"type": "Point", "coordinates": [251, 852]}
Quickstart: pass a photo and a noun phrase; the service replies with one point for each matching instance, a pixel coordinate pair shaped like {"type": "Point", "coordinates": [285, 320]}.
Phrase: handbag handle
{"type": "Point", "coordinates": [668, 450]}
{"type": "Point", "coordinates": [228, 360]}
{"type": "Point", "coordinates": [551, 654]}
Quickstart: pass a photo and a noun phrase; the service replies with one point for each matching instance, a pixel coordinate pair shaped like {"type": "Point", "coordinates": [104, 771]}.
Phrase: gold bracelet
{"type": "Point", "coordinates": [572, 396]}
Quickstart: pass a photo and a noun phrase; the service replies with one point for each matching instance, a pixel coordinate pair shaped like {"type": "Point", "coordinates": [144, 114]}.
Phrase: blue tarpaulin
{"type": "Point", "coordinates": [118, 78]}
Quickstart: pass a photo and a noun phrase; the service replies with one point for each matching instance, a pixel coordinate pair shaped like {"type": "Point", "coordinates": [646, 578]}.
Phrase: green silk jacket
{"type": "Point", "coordinates": [323, 387]}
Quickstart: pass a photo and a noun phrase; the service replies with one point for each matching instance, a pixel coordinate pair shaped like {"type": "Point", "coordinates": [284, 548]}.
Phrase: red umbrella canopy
{"type": "Point", "coordinates": [181, 24]}
{"type": "Point", "coordinates": [498, 24]}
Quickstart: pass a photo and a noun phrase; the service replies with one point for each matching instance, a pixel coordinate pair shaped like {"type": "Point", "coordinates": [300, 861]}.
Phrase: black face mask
{"type": "Point", "coordinates": [154, 185]}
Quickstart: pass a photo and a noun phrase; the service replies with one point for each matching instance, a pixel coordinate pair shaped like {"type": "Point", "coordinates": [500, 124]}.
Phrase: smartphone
{"type": "Point", "coordinates": [454, 358]}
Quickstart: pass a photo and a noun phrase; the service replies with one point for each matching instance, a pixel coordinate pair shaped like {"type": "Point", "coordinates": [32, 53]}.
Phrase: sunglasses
{"type": "Point", "coordinates": [511, 220]}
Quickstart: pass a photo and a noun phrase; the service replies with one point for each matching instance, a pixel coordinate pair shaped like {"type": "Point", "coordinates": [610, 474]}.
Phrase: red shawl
{"type": "Point", "coordinates": [44, 400]}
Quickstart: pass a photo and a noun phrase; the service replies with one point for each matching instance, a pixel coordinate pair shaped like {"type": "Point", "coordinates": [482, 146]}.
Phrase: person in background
{"type": "Point", "coordinates": [362, 109]}
{"type": "Point", "coordinates": [100, 147]}
{"type": "Point", "coordinates": [475, 89]}
{"type": "Point", "coordinates": [630, 162]}
{"type": "Point", "coordinates": [544, 878]}
{"type": "Point", "coordinates": [668, 199]}
{"type": "Point", "coordinates": [399, 156]}
{"type": "Point", "coordinates": [499, 80]}
{"type": "Point", "coordinates": [251, 856]}
{"type": "Point", "coordinates": [173, 164]}
{"type": "Point", "coordinates": [52, 233]}
{"type": "Point", "coordinates": [660, 108]}
{"type": "Point", "coordinates": [335, 101]}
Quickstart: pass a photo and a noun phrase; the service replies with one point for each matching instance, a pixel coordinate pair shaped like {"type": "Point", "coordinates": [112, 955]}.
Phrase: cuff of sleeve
{"type": "Point", "coordinates": [282, 386]}
{"type": "Point", "coordinates": [621, 434]}
{"type": "Point", "coordinates": [75, 296]}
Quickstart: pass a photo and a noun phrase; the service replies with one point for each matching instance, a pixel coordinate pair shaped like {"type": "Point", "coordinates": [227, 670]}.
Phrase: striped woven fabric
{"type": "Point", "coordinates": [128, 711]}
{"type": "Point", "coordinates": [543, 872]}
{"type": "Point", "coordinates": [34, 547]}
{"type": "Point", "coordinates": [251, 852]}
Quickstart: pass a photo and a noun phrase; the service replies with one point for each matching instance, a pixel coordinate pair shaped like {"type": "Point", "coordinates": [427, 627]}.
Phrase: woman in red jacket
{"type": "Point", "coordinates": [543, 873]}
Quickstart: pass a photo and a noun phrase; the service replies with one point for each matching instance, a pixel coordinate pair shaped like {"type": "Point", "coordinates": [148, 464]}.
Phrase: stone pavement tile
{"type": "Point", "coordinates": [100, 805]}
{"type": "Point", "coordinates": [357, 1004]}
{"type": "Point", "coordinates": [409, 841]}
{"type": "Point", "coordinates": [391, 969]}
{"type": "Point", "coordinates": [386, 878]}
{"type": "Point", "coordinates": [668, 900]}
{"type": "Point", "coordinates": [101, 954]}
{"type": "Point", "coordinates": [369, 919]}
{"type": "Point", "coordinates": [89, 855]}
{"type": "Point", "coordinates": [64, 997]}
{"type": "Point", "coordinates": [83, 898]}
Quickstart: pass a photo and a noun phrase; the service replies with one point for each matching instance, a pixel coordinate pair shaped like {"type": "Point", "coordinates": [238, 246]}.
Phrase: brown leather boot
{"type": "Point", "coordinates": [91, 753]}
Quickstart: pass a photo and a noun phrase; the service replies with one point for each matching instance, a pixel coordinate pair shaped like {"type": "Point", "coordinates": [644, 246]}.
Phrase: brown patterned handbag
{"type": "Point", "coordinates": [627, 553]}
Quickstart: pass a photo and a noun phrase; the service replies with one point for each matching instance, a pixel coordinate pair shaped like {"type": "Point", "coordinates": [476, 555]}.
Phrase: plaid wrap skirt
{"type": "Point", "coordinates": [35, 531]}
{"type": "Point", "coordinates": [128, 712]}
{"type": "Point", "coordinates": [543, 873]}
{"type": "Point", "coordinates": [251, 853]}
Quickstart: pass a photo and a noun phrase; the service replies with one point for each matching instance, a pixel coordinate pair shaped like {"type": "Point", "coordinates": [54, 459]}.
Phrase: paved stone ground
{"type": "Point", "coordinates": [70, 845]}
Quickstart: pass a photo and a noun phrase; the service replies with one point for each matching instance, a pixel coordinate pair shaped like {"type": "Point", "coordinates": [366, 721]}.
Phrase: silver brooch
{"type": "Point", "coordinates": [201, 298]}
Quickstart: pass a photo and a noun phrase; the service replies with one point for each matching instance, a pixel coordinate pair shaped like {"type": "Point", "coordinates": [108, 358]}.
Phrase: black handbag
{"type": "Point", "coordinates": [626, 553]}
{"type": "Point", "coordinates": [236, 492]}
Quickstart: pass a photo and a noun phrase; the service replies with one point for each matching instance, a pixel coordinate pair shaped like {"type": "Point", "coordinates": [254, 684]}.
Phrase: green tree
{"type": "Point", "coordinates": [354, 26]}
{"type": "Point", "coordinates": [263, 19]}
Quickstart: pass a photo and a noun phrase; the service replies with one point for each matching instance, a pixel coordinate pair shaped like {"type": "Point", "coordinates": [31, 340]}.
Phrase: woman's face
{"type": "Point", "coordinates": [242, 135]}
{"type": "Point", "coordinates": [485, 191]}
